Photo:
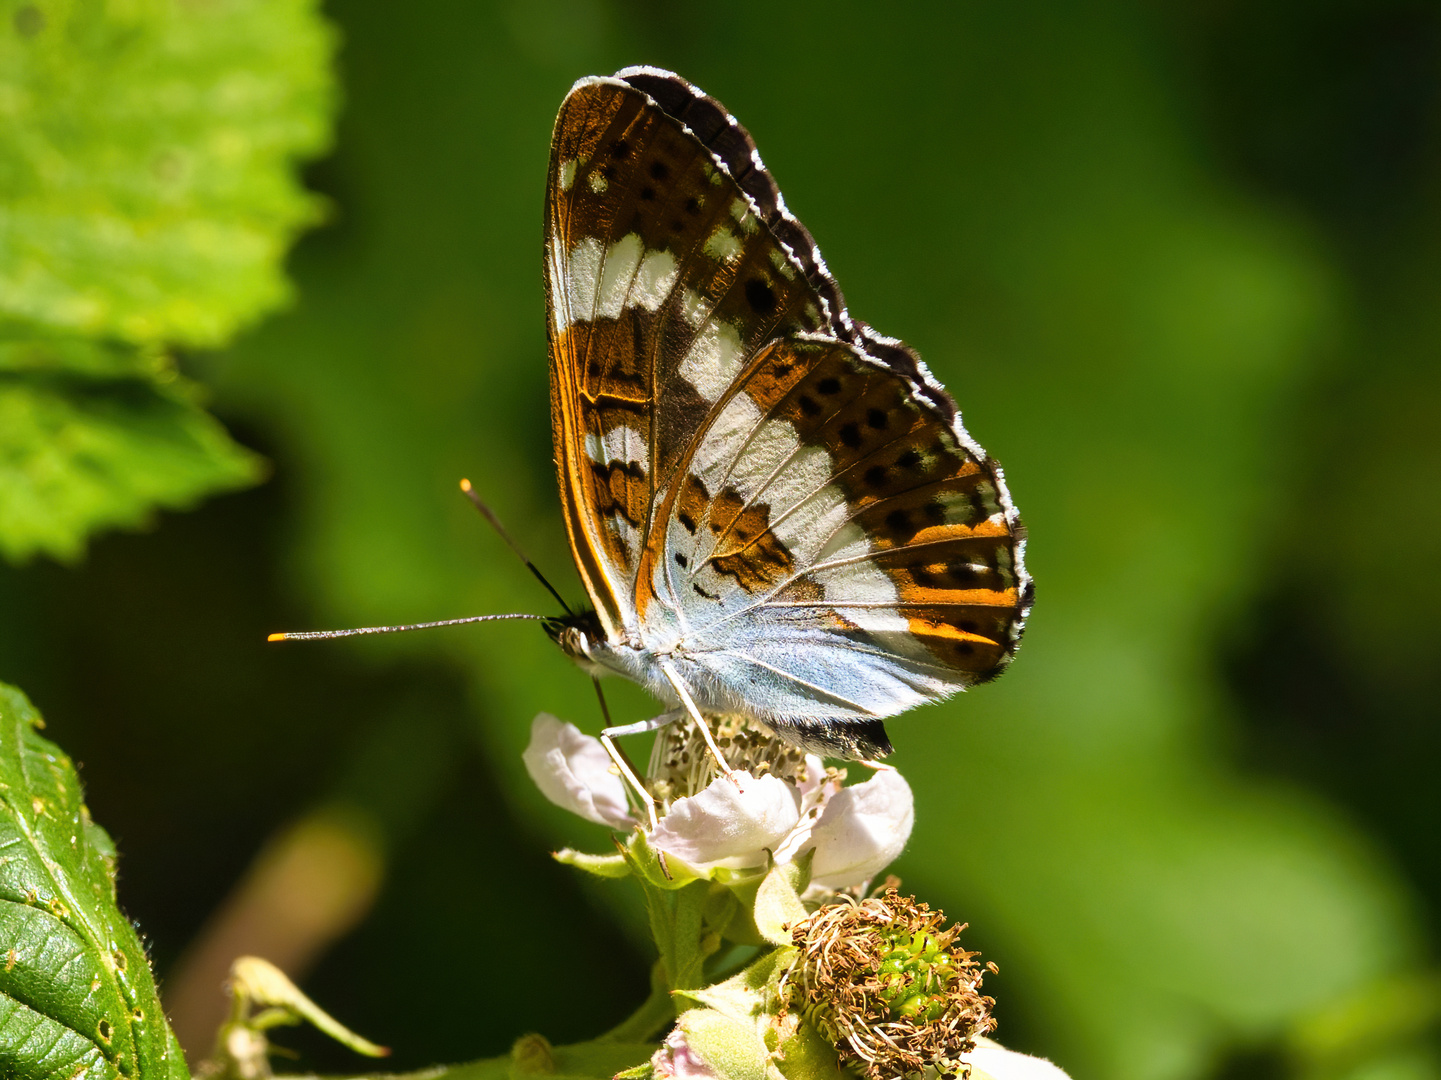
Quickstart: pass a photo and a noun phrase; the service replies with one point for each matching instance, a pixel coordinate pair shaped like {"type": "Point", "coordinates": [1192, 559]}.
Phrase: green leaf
{"type": "Point", "coordinates": [31, 350]}
{"type": "Point", "coordinates": [146, 182]}
{"type": "Point", "coordinates": [147, 199]}
{"type": "Point", "coordinates": [76, 994]}
{"type": "Point", "coordinates": [78, 454]}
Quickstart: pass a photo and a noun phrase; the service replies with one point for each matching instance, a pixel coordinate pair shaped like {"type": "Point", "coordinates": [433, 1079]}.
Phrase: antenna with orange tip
{"type": "Point", "coordinates": [322, 635]}
{"type": "Point", "coordinates": [470, 493]}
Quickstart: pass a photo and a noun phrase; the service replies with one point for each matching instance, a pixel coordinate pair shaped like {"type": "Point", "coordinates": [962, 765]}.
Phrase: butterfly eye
{"type": "Point", "coordinates": [574, 642]}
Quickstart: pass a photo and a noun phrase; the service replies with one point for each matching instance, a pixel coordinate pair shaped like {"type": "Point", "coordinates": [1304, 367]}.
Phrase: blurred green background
{"type": "Point", "coordinates": [1179, 265]}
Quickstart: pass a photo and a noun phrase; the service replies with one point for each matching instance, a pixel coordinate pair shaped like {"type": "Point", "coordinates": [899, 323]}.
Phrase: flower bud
{"type": "Point", "coordinates": [677, 1060]}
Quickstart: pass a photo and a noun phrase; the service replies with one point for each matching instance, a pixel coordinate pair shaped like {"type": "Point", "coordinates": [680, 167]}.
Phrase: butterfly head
{"type": "Point", "coordinates": [577, 635]}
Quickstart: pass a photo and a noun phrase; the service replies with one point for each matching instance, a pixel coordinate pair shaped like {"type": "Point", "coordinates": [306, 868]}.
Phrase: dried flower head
{"type": "Point", "coordinates": [886, 982]}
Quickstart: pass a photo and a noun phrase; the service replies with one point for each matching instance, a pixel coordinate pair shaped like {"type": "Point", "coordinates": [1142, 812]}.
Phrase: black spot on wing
{"type": "Point", "coordinates": [760, 296]}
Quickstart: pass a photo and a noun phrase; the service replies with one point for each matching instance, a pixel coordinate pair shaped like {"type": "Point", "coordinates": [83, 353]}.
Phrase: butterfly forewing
{"type": "Point", "coordinates": [662, 281]}
{"type": "Point", "coordinates": [779, 499]}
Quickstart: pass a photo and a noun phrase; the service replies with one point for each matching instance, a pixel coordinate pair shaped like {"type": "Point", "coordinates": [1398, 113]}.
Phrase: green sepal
{"type": "Point", "coordinates": [730, 911]}
{"type": "Point", "coordinates": [605, 866]}
{"type": "Point", "coordinates": [751, 1000]}
{"type": "Point", "coordinates": [651, 866]}
{"type": "Point", "coordinates": [640, 1072]}
{"type": "Point", "coordinates": [732, 1048]}
{"type": "Point", "coordinates": [750, 993]}
{"type": "Point", "coordinates": [778, 903]}
{"type": "Point", "coordinates": [256, 981]}
{"type": "Point", "coordinates": [800, 1052]}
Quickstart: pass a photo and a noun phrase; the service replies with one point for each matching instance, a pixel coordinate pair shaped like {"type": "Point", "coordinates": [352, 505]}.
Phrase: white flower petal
{"type": "Point", "coordinates": [995, 1061]}
{"type": "Point", "coordinates": [863, 828]}
{"type": "Point", "coordinates": [728, 825]}
{"type": "Point", "coordinates": [815, 791]}
{"type": "Point", "coordinates": [573, 771]}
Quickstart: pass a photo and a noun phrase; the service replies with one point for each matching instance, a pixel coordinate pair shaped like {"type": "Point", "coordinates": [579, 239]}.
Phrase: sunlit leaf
{"type": "Point", "coordinates": [77, 454]}
{"type": "Point", "coordinates": [146, 181]}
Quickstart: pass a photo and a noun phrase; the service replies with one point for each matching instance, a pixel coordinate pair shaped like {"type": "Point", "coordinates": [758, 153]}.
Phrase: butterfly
{"type": "Point", "coordinates": [774, 510]}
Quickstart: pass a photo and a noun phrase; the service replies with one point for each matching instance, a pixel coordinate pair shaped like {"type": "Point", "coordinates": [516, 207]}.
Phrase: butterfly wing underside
{"type": "Point", "coordinates": [835, 551]}
{"type": "Point", "coordinates": [746, 472]}
{"type": "Point", "coordinates": [660, 281]}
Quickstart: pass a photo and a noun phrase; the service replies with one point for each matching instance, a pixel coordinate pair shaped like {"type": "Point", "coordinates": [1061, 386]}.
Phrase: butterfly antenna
{"type": "Point", "coordinates": [322, 635]}
{"type": "Point", "coordinates": [470, 493]}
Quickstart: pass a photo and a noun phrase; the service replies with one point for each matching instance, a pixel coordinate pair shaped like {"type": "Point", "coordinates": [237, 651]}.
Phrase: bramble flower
{"type": "Point", "coordinates": [872, 985]}
{"type": "Point", "coordinates": [778, 805]}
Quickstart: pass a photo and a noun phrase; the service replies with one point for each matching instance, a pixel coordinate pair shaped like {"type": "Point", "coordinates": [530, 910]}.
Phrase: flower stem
{"type": "Point", "coordinates": [677, 926]}
{"type": "Point", "coordinates": [598, 1059]}
{"type": "Point", "coordinates": [654, 1015]}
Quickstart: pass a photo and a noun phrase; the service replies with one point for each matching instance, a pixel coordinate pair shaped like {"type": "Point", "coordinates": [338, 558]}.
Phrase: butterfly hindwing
{"type": "Point", "coordinates": [828, 511]}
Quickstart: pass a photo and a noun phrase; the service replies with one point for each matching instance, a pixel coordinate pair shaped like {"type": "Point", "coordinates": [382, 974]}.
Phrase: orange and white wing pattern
{"type": "Point", "coordinates": [777, 500]}
{"type": "Point", "coordinates": [837, 552]}
{"type": "Point", "coordinates": [660, 281]}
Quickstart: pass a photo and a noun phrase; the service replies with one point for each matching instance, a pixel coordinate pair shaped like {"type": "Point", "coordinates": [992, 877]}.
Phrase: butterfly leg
{"type": "Point", "coordinates": [705, 731]}
{"type": "Point", "coordinates": [607, 738]}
